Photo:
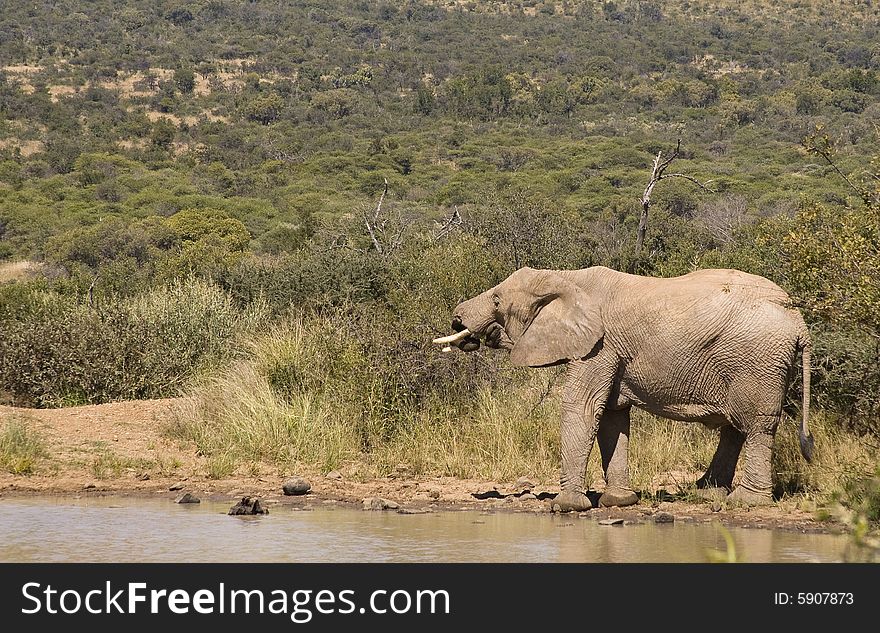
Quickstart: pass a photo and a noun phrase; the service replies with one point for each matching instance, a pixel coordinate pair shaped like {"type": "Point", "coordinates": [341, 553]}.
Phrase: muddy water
{"type": "Point", "coordinates": [119, 529]}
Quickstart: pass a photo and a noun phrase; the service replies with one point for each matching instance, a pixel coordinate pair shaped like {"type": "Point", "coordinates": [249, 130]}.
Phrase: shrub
{"type": "Point", "coordinates": [55, 351]}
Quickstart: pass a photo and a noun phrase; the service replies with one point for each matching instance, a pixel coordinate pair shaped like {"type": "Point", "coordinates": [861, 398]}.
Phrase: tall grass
{"type": "Point", "coordinates": [21, 447]}
{"type": "Point", "coordinates": [312, 392]}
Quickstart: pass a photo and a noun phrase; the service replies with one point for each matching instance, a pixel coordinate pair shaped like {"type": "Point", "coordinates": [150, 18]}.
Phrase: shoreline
{"type": "Point", "coordinates": [414, 501]}
{"type": "Point", "coordinates": [119, 449]}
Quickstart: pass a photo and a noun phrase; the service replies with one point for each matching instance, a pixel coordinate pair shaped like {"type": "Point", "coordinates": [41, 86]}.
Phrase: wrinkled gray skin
{"type": "Point", "coordinates": [713, 346]}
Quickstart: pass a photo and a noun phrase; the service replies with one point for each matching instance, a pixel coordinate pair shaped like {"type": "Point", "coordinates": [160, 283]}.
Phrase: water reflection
{"type": "Point", "coordinates": [110, 530]}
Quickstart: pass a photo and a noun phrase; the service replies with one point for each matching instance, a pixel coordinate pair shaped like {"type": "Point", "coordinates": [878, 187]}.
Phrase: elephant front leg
{"type": "Point", "coordinates": [579, 422]}
{"type": "Point", "coordinates": [614, 445]}
{"type": "Point", "coordinates": [756, 486]}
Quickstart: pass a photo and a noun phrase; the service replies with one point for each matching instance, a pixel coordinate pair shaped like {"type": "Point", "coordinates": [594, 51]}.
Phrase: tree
{"type": "Point", "coordinates": [264, 109]}
{"type": "Point", "coordinates": [185, 79]}
{"type": "Point", "coordinates": [162, 134]}
{"type": "Point", "coordinates": [658, 173]}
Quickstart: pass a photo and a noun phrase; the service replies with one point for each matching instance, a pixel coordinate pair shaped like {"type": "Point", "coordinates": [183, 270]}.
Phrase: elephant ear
{"type": "Point", "coordinates": [567, 327]}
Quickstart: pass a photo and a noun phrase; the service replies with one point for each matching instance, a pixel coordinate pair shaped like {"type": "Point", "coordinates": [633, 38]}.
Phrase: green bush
{"type": "Point", "coordinates": [55, 351]}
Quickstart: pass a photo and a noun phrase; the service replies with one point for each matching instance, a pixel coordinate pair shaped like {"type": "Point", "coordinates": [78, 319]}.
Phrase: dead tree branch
{"type": "Point", "coordinates": [92, 290]}
{"type": "Point", "coordinates": [449, 224]}
{"type": "Point", "coordinates": [373, 225]}
{"type": "Point", "coordinates": [386, 233]}
{"type": "Point", "coordinates": [822, 146]}
{"type": "Point", "coordinates": [658, 173]}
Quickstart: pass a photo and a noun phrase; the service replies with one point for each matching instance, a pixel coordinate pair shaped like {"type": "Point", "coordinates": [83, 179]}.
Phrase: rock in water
{"type": "Point", "coordinates": [248, 505]}
{"type": "Point", "coordinates": [376, 503]}
{"type": "Point", "coordinates": [296, 486]}
{"type": "Point", "coordinates": [611, 522]}
{"type": "Point", "coordinates": [187, 498]}
{"type": "Point", "coordinates": [664, 517]}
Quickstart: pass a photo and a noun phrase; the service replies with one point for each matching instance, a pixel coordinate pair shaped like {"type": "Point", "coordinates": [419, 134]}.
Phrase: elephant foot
{"type": "Point", "coordinates": [570, 501]}
{"type": "Point", "coordinates": [618, 497]}
{"type": "Point", "coordinates": [744, 496]}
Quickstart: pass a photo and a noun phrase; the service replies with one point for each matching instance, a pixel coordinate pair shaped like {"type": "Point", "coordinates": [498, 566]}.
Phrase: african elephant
{"type": "Point", "coordinates": [712, 346]}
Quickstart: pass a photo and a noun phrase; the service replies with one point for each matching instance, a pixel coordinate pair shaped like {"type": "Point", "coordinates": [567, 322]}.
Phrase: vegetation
{"type": "Point", "coordinates": [21, 447]}
{"type": "Point", "coordinates": [192, 189]}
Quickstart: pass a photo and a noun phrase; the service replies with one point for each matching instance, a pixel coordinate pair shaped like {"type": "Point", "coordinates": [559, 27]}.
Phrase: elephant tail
{"type": "Point", "coordinates": [806, 438]}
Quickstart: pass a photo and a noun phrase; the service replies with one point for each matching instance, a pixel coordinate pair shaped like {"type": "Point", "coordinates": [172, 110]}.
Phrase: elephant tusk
{"type": "Point", "coordinates": [452, 338]}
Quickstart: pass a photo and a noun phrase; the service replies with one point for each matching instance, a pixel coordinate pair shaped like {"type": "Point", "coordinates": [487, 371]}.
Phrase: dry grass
{"type": "Point", "coordinates": [19, 270]}
{"type": "Point", "coordinates": [21, 447]}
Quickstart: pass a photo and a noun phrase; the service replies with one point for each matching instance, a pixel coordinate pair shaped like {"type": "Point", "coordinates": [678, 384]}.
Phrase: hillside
{"type": "Point", "coordinates": [286, 115]}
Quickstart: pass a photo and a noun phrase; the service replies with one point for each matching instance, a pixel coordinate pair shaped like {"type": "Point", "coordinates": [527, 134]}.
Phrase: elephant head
{"type": "Point", "coordinates": [540, 316]}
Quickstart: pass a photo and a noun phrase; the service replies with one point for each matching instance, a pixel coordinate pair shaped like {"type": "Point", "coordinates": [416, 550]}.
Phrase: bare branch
{"type": "Point", "coordinates": [863, 194]}
{"type": "Point", "coordinates": [371, 226]}
{"type": "Point", "coordinates": [449, 224]}
{"type": "Point", "coordinates": [92, 290]}
{"type": "Point", "coordinates": [658, 173]}
{"type": "Point", "coordinates": [702, 185]}
{"type": "Point", "coordinates": [669, 160]}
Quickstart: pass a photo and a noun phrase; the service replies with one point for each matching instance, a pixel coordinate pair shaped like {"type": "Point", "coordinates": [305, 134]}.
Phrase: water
{"type": "Point", "coordinates": [147, 530]}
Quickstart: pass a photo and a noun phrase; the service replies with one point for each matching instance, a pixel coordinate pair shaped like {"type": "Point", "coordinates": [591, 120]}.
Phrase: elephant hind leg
{"type": "Point", "coordinates": [613, 436]}
{"type": "Point", "coordinates": [756, 486]}
{"type": "Point", "coordinates": [722, 468]}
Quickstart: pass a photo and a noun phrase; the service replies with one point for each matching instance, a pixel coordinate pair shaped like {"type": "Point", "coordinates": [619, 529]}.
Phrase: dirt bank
{"type": "Point", "coordinates": [120, 449]}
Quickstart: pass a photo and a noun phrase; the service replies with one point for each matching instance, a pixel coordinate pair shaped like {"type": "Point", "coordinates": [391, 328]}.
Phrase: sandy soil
{"type": "Point", "coordinates": [120, 449]}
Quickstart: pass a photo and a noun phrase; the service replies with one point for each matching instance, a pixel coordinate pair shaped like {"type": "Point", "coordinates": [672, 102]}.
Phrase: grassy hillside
{"type": "Point", "coordinates": [273, 112]}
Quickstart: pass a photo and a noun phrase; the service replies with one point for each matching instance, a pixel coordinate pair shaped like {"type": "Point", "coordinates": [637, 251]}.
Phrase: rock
{"type": "Point", "coordinates": [527, 496]}
{"type": "Point", "coordinates": [412, 511]}
{"type": "Point", "coordinates": [187, 498]}
{"type": "Point", "coordinates": [716, 506]}
{"type": "Point", "coordinates": [664, 517]}
{"type": "Point", "coordinates": [488, 494]}
{"type": "Point", "coordinates": [524, 483]}
{"type": "Point", "coordinates": [144, 476]}
{"type": "Point", "coordinates": [89, 487]}
{"type": "Point", "coordinates": [434, 494]}
{"type": "Point", "coordinates": [611, 522]}
{"type": "Point", "coordinates": [178, 486]}
{"type": "Point", "coordinates": [248, 505]}
{"type": "Point", "coordinates": [377, 503]}
{"type": "Point", "coordinates": [334, 474]}
{"type": "Point", "coordinates": [296, 486]}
